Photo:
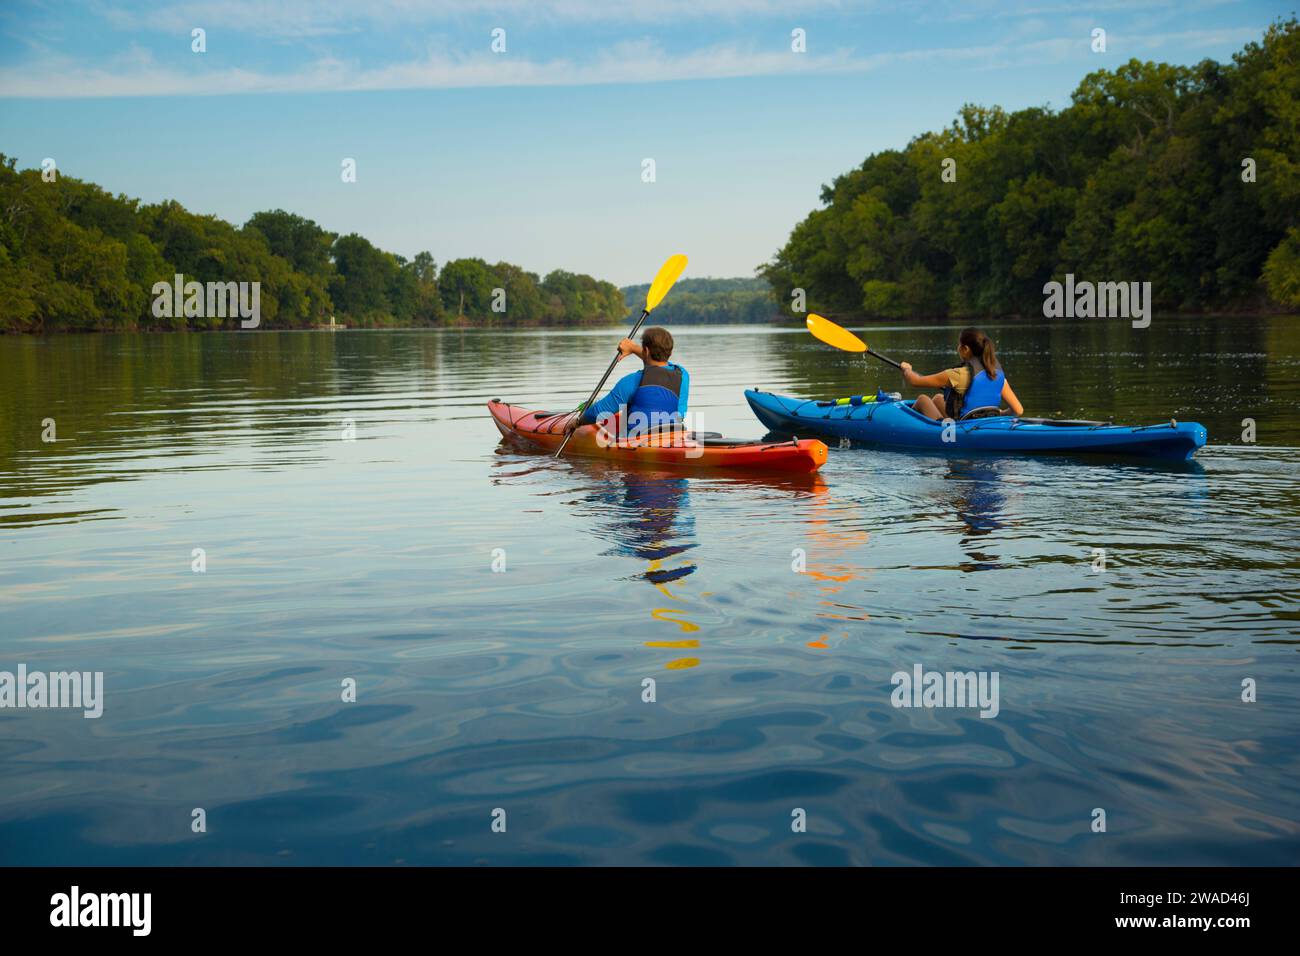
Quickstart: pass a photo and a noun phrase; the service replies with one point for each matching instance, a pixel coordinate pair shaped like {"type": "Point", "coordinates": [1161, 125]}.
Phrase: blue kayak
{"type": "Point", "coordinates": [894, 424]}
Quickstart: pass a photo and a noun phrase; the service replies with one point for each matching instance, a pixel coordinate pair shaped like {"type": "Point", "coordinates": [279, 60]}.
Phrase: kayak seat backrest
{"type": "Point", "coordinates": [984, 411]}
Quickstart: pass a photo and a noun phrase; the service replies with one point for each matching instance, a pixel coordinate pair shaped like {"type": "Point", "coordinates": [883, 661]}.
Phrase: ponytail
{"type": "Point", "coordinates": [981, 347]}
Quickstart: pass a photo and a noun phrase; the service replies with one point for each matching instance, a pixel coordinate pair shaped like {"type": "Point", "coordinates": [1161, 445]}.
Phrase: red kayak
{"type": "Point", "coordinates": [678, 448]}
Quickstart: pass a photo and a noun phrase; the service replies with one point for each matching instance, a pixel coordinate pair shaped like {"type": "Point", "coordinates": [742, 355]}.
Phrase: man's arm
{"type": "Point", "coordinates": [684, 393]}
{"type": "Point", "coordinates": [618, 396]}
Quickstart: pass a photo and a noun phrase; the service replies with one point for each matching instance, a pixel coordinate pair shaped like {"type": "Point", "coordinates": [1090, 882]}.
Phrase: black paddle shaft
{"type": "Point", "coordinates": [603, 379]}
{"type": "Point", "coordinates": [887, 361]}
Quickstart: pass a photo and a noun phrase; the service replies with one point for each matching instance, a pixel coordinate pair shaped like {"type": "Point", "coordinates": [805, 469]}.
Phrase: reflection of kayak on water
{"type": "Point", "coordinates": [834, 531]}
{"type": "Point", "coordinates": [648, 514]}
{"type": "Point", "coordinates": [679, 449]}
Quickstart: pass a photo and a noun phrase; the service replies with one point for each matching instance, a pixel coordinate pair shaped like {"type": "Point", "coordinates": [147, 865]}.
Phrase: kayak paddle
{"type": "Point", "coordinates": [832, 334]}
{"type": "Point", "coordinates": [669, 273]}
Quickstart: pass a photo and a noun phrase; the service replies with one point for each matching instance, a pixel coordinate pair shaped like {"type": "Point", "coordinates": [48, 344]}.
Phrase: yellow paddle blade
{"type": "Point", "coordinates": [669, 273]}
{"type": "Point", "coordinates": [832, 334]}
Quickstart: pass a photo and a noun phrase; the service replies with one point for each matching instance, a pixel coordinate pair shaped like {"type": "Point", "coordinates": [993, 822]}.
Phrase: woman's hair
{"type": "Point", "coordinates": [658, 343]}
{"type": "Point", "coordinates": [981, 347]}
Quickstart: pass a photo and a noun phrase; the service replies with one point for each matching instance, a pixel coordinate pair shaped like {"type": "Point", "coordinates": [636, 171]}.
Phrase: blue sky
{"type": "Point", "coordinates": [534, 155]}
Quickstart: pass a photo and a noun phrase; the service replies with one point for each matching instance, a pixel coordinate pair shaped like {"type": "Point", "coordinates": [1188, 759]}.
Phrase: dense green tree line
{"type": "Point", "coordinates": [74, 257]}
{"type": "Point", "coordinates": [708, 301]}
{"type": "Point", "coordinates": [1186, 177]}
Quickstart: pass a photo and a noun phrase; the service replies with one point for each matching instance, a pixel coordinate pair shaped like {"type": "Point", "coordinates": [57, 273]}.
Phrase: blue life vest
{"type": "Point", "coordinates": [983, 391]}
{"type": "Point", "coordinates": [657, 396]}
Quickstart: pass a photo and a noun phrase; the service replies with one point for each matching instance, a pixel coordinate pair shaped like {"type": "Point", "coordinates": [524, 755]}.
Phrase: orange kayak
{"type": "Point", "coordinates": [678, 448]}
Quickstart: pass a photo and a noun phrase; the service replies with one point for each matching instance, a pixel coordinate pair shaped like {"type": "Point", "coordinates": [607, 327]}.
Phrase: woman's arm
{"type": "Point", "coordinates": [937, 380]}
{"type": "Point", "coordinates": [1009, 397]}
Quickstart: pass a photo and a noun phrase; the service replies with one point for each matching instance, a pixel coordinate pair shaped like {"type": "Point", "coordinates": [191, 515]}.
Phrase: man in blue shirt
{"type": "Point", "coordinates": [652, 397]}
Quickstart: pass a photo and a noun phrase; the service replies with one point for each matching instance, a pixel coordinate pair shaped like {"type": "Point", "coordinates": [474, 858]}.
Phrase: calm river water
{"type": "Point", "coordinates": [350, 497]}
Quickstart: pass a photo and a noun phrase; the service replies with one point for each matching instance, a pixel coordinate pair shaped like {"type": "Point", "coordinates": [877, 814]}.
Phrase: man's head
{"type": "Point", "coordinates": [658, 343]}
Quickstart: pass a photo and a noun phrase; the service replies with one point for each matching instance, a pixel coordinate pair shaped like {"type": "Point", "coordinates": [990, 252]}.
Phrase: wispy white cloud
{"type": "Point", "coordinates": [307, 18]}
{"type": "Point", "coordinates": [640, 62]}
{"type": "Point", "coordinates": [966, 10]}
{"type": "Point", "coordinates": [136, 72]}
{"type": "Point", "coordinates": [1192, 39]}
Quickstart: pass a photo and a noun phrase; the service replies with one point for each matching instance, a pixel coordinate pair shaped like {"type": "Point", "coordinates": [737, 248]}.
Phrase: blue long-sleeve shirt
{"type": "Point", "coordinates": [621, 395]}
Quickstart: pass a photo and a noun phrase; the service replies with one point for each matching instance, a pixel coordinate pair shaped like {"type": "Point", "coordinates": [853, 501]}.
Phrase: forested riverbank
{"type": "Point", "coordinates": [74, 257]}
{"type": "Point", "coordinates": [1184, 177]}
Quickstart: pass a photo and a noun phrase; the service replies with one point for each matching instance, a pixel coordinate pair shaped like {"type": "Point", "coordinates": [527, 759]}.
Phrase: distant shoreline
{"type": "Point", "coordinates": [779, 321]}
